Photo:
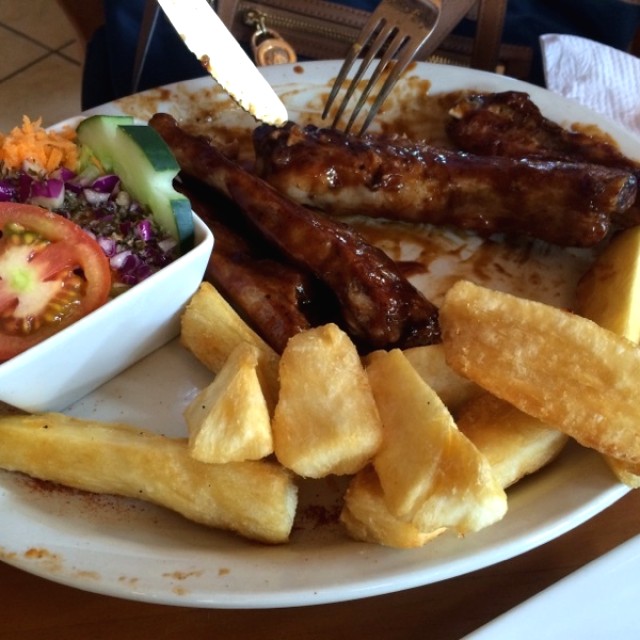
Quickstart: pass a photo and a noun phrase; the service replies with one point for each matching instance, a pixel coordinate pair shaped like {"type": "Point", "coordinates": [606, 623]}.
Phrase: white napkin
{"type": "Point", "coordinates": [595, 75]}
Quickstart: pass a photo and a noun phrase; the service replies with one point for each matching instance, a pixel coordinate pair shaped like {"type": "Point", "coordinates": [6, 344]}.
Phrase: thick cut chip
{"type": "Point", "coordinates": [514, 443]}
{"type": "Point", "coordinates": [229, 420]}
{"type": "Point", "coordinates": [255, 499]}
{"type": "Point", "coordinates": [609, 292]}
{"type": "Point", "coordinates": [211, 329]}
{"type": "Point", "coordinates": [367, 518]}
{"type": "Point", "coordinates": [561, 368]}
{"type": "Point", "coordinates": [326, 421]}
{"type": "Point", "coordinates": [453, 389]}
{"type": "Point", "coordinates": [626, 473]}
{"type": "Point", "coordinates": [431, 474]}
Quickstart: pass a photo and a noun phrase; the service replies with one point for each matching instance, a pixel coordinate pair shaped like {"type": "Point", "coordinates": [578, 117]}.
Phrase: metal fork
{"type": "Point", "coordinates": [397, 29]}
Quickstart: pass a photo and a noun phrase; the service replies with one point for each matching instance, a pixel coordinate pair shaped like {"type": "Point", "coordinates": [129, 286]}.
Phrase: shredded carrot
{"type": "Point", "coordinates": [34, 144]}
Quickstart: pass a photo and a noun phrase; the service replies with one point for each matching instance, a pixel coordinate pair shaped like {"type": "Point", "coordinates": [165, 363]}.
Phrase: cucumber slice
{"type": "Point", "coordinates": [146, 166]}
{"type": "Point", "coordinates": [98, 133]}
{"type": "Point", "coordinates": [148, 173]}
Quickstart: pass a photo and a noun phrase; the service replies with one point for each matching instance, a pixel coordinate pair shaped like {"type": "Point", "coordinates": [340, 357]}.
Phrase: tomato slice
{"type": "Point", "coordinates": [52, 273]}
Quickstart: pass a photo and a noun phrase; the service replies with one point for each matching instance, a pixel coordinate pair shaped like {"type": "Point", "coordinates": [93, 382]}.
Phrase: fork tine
{"type": "Point", "coordinates": [400, 28]}
{"type": "Point", "coordinates": [373, 50]}
{"type": "Point", "coordinates": [399, 66]}
{"type": "Point", "coordinates": [394, 46]}
{"type": "Point", "coordinates": [364, 37]}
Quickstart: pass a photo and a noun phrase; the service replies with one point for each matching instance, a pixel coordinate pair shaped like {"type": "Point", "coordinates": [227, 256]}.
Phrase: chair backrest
{"type": "Point", "coordinates": [85, 16]}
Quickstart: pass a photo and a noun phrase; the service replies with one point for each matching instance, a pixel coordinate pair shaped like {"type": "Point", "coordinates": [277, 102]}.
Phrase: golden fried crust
{"type": "Point", "coordinates": [560, 368]}
{"type": "Point", "coordinates": [515, 443]}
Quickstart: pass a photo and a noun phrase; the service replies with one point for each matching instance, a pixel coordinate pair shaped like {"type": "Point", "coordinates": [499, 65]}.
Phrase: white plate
{"type": "Point", "coordinates": [137, 551]}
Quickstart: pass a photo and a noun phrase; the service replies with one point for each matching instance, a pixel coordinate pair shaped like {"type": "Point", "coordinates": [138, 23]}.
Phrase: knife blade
{"type": "Point", "coordinates": [150, 14]}
{"type": "Point", "coordinates": [223, 57]}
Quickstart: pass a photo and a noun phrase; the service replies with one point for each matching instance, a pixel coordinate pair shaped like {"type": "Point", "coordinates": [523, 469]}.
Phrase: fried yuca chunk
{"type": "Point", "coordinates": [452, 389]}
{"type": "Point", "coordinates": [560, 368]}
{"type": "Point", "coordinates": [430, 473]}
{"type": "Point", "coordinates": [326, 421]}
{"type": "Point", "coordinates": [366, 517]}
{"type": "Point", "coordinates": [609, 294]}
{"type": "Point", "coordinates": [626, 473]}
{"type": "Point", "coordinates": [211, 329]}
{"type": "Point", "coordinates": [229, 420]}
{"type": "Point", "coordinates": [255, 499]}
{"type": "Point", "coordinates": [514, 443]}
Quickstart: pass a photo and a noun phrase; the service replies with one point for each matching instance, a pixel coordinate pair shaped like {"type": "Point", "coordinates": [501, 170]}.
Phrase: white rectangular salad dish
{"type": "Point", "coordinates": [55, 373]}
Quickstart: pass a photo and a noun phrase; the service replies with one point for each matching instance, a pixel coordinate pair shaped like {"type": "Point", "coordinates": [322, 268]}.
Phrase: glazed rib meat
{"type": "Point", "coordinates": [271, 294]}
{"type": "Point", "coordinates": [510, 124]}
{"type": "Point", "coordinates": [563, 203]}
{"type": "Point", "coordinates": [380, 307]}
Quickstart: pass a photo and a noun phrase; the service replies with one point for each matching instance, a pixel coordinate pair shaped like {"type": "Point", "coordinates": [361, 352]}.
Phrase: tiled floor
{"type": "Point", "coordinates": [40, 63]}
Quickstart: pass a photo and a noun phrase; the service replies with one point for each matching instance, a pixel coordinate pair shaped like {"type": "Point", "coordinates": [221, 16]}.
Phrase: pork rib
{"type": "Point", "coordinates": [271, 294]}
{"type": "Point", "coordinates": [380, 307]}
{"type": "Point", "coordinates": [563, 203]}
{"type": "Point", "coordinates": [510, 124]}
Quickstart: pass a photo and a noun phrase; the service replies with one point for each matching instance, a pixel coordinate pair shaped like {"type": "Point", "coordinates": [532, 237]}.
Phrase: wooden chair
{"type": "Point", "coordinates": [85, 16]}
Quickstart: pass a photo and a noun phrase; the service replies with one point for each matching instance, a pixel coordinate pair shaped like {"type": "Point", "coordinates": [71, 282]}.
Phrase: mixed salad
{"type": "Point", "coordinates": [85, 214]}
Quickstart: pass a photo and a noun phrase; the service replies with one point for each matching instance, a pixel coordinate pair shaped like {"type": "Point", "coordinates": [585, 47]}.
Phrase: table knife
{"type": "Point", "coordinates": [206, 36]}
